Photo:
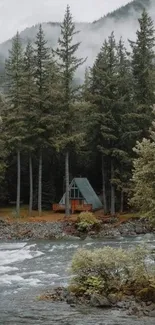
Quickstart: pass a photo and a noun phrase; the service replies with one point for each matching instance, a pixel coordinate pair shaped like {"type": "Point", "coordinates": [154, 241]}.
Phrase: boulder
{"type": "Point", "coordinates": [140, 230]}
{"type": "Point", "coordinates": [71, 299]}
{"type": "Point", "coordinates": [99, 301]}
{"type": "Point", "coordinates": [113, 298]}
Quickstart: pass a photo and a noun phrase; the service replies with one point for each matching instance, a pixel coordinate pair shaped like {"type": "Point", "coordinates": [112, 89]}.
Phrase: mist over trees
{"type": "Point", "coordinates": [52, 129]}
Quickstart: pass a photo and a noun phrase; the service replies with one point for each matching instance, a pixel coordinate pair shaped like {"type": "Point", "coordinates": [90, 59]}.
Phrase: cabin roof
{"type": "Point", "coordinates": [87, 192]}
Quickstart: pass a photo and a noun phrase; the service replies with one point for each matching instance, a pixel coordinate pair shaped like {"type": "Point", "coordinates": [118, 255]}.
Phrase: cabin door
{"type": "Point", "coordinates": [74, 204]}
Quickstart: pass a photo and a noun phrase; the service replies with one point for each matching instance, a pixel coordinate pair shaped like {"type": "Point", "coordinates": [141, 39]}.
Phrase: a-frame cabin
{"type": "Point", "coordinates": [82, 197]}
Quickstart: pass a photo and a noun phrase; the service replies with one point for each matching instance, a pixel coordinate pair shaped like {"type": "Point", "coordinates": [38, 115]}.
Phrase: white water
{"type": "Point", "coordinates": [26, 269]}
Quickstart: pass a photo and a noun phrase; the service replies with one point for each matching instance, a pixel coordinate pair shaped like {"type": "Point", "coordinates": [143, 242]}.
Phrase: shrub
{"type": "Point", "coordinates": [86, 221]}
{"type": "Point", "coordinates": [112, 270]}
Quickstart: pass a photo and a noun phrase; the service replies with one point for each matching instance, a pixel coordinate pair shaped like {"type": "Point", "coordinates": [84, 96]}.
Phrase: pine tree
{"type": "Point", "coordinates": [14, 114]}
{"type": "Point", "coordinates": [104, 90]}
{"type": "Point", "coordinates": [143, 179]}
{"type": "Point", "coordinates": [69, 63]}
{"type": "Point", "coordinates": [127, 128]}
{"type": "Point", "coordinates": [30, 117]}
{"type": "Point", "coordinates": [41, 64]}
{"type": "Point", "coordinates": [143, 68]}
{"type": "Point", "coordinates": [3, 152]}
{"type": "Point", "coordinates": [86, 85]}
{"type": "Point", "coordinates": [142, 196]}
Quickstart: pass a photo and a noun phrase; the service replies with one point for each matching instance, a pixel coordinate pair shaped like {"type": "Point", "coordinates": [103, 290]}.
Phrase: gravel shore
{"type": "Point", "coordinates": [57, 230]}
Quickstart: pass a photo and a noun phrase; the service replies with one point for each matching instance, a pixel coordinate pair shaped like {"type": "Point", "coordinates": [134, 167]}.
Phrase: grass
{"type": "Point", "coordinates": [9, 214]}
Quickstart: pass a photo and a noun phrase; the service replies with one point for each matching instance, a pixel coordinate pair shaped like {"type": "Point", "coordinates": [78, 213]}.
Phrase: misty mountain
{"type": "Point", "coordinates": [122, 21]}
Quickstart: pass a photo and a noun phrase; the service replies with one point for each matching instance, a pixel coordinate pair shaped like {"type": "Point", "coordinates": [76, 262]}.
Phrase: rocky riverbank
{"type": "Point", "coordinates": [126, 303]}
{"type": "Point", "coordinates": [57, 230]}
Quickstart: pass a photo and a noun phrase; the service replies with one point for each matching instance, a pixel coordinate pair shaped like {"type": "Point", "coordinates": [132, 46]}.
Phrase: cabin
{"type": "Point", "coordinates": [82, 197]}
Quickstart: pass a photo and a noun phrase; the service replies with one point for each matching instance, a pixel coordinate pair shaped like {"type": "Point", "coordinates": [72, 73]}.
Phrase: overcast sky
{"type": "Point", "coordinates": [19, 14]}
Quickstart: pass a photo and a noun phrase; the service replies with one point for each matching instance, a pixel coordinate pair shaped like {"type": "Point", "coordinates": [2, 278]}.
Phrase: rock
{"type": "Point", "coordinates": [148, 237]}
{"type": "Point", "coordinates": [71, 299]}
{"type": "Point", "coordinates": [3, 223]}
{"type": "Point", "coordinates": [69, 237]}
{"type": "Point", "coordinates": [152, 313]}
{"type": "Point", "coordinates": [135, 310]}
{"type": "Point", "coordinates": [122, 304]}
{"type": "Point", "coordinates": [113, 298]}
{"type": "Point", "coordinates": [150, 307]}
{"type": "Point", "coordinates": [146, 312]}
{"type": "Point", "coordinates": [148, 303]}
{"type": "Point", "coordinates": [99, 301]}
{"type": "Point", "coordinates": [139, 229]}
{"type": "Point", "coordinates": [91, 234]}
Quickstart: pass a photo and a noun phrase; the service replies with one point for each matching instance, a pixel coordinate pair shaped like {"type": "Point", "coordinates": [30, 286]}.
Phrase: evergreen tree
{"type": "Point", "coordinates": [68, 65]}
{"type": "Point", "coordinates": [112, 127]}
{"type": "Point", "coordinates": [127, 129]}
{"type": "Point", "coordinates": [104, 90]}
{"type": "Point", "coordinates": [143, 68]}
{"type": "Point", "coordinates": [14, 114]}
{"type": "Point", "coordinates": [143, 179]}
{"type": "Point", "coordinates": [86, 85]}
{"type": "Point", "coordinates": [41, 64]}
{"type": "Point", "coordinates": [3, 152]}
{"type": "Point", "coordinates": [30, 116]}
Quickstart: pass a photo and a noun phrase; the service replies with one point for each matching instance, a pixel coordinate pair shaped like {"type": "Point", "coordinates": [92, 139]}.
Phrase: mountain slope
{"type": "Point", "coordinates": [122, 21]}
{"type": "Point", "coordinates": [135, 6]}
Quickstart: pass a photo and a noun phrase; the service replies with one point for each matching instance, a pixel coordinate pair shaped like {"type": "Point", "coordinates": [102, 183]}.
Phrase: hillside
{"type": "Point", "coordinates": [123, 12]}
{"type": "Point", "coordinates": [122, 21]}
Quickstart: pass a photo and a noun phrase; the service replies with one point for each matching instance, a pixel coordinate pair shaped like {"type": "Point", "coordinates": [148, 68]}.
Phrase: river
{"type": "Point", "coordinates": [28, 268]}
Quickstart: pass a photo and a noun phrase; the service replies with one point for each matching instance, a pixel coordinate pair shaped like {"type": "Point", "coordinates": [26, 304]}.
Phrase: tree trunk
{"type": "Point", "coordinates": [122, 202]}
{"type": "Point", "coordinates": [18, 184]}
{"type": "Point", "coordinates": [40, 185]}
{"type": "Point", "coordinates": [112, 190]}
{"type": "Point", "coordinates": [31, 185]}
{"type": "Point", "coordinates": [104, 187]}
{"type": "Point", "coordinates": [67, 205]}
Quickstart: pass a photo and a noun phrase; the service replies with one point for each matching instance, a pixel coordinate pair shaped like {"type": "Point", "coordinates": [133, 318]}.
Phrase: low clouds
{"type": "Point", "coordinates": [19, 14]}
{"type": "Point", "coordinates": [91, 36]}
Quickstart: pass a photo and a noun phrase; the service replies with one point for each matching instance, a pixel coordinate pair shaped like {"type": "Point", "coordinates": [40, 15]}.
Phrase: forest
{"type": "Point", "coordinates": [53, 129]}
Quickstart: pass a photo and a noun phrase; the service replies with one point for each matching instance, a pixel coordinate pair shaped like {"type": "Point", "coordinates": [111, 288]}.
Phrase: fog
{"type": "Point", "coordinates": [91, 35]}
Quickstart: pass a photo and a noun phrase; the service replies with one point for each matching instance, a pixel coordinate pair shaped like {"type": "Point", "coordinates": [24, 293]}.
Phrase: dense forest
{"type": "Point", "coordinates": [52, 129]}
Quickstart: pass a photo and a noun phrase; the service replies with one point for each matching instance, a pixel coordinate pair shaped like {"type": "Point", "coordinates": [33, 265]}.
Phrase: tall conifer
{"type": "Point", "coordinates": [41, 64]}
{"type": "Point", "coordinates": [143, 68]}
{"type": "Point", "coordinates": [15, 121]}
{"type": "Point", "coordinates": [69, 63]}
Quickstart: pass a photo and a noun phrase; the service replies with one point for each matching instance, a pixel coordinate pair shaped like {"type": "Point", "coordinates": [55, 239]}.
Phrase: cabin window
{"type": "Point", "coordinates": [76, 193]}
{"type": "Point", "coordinates": [72, 193]}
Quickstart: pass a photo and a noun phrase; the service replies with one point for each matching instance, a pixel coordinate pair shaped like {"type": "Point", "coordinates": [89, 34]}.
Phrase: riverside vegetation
{"type": "Point", "coordinates": [111, 278]}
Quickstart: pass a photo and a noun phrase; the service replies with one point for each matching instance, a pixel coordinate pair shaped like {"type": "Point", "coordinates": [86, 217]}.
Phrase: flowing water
{"type": "Point", "coordinates": [28, 268]}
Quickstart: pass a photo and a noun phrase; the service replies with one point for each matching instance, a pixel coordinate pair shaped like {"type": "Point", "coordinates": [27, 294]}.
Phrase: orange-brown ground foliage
{"type": "Point", "coordinates": [49, 216]}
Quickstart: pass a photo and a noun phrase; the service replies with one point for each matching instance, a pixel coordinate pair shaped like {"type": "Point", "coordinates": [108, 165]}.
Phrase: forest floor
{"type": "Point", "coordinates": [9, 214]}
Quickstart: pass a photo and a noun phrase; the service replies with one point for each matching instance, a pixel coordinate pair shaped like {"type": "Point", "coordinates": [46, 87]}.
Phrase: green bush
{"type": "Point", "coordinates": [86, 221]}
{"type": "Point", "coordinates": [111, 270]}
